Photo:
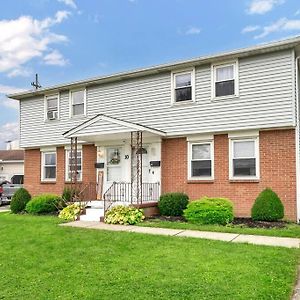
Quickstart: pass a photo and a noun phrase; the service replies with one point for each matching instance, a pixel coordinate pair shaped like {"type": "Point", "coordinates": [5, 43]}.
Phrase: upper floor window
{"type": "Point", "coordinates": [183, 86]}
{"type": "Point", "coordinates": [244, 159]}
{"type": "Point", "coordinates": [48, 166]}
{"type": "Point", "coordinates": [225, 81]}
{"type": "Point", "coordinates": [52, 104]}
{"type": "Point", "coordinates": [78, 102]}
{"type": "Point", "coordinates": [201, 160]}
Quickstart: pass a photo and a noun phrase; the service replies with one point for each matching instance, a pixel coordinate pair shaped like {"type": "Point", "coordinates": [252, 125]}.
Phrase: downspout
{"type": "Point", "coordinates": [297, 138]}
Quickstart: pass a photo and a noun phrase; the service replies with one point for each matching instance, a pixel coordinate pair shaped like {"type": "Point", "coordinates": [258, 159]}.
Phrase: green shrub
{"type": "Point", "coordinates": [45, 203]}
{"type": "Point", "coordinates": [267, 207]}
{"type": "Point", "coordinates": [172, 204]}
{"type": "Point", "coordinates": [19, 200]}
{"type": "Point", "coordinates": [71, 212]}
{"type": "Point", "coordinates": [124, 215]}
{"type": "Point", "coordinates": [210, 211]}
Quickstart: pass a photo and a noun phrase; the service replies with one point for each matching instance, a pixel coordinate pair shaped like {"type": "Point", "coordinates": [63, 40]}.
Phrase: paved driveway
{"type": "Point", "coordinates": [4, 208]}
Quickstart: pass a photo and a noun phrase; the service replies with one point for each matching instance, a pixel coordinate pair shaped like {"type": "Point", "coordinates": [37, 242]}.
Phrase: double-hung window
{"type": "Point", "coordinates": [49, 166]}
{"type": "Point", "coordinates": [69, 161]}
{"type": "Point", "coordinates": [244, 159]}
{"type": "Point", "coordinates": [201, 160]}
{"type": "Point", "coordinates": [52, 104]}
{"type": "Point", "coordinates": [183, 86]}
{"type": "Point", "coordinates": [78, 102]}
{"type": "Point", "coordinates": [225, 81]}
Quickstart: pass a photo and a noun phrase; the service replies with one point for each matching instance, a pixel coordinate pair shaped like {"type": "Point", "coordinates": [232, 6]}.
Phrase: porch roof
{"type": "Point", "coordinates": [102, 125]}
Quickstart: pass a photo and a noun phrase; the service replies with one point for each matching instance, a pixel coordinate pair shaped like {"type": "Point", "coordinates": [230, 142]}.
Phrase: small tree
{"type": "Point", "coordinates": [19, 200]}
{"type": "Point", "coordinates": [267, 207]}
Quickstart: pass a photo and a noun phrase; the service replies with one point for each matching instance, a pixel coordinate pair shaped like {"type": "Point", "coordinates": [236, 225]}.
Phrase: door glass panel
{"type": "Point", "coordinates": [114, 170]}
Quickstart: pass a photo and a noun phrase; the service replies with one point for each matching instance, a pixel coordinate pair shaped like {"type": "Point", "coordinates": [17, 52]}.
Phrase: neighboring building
{"type": "Point", "coordinates": [221, 125]}
{"type": "Point", "coordinates": [13, 145]}
{"type": "Point", "coordinates": [12, 165]}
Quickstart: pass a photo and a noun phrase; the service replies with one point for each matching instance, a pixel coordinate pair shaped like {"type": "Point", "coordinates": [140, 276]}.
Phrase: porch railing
{"type": "Point", "coordinates": [83, 192]}
{"type": "Point", "coordinates": [121, 192]}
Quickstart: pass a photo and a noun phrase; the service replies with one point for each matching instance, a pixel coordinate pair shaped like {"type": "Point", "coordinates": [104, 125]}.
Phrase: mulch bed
{"type": "Point", "coordinates": [243, 222]}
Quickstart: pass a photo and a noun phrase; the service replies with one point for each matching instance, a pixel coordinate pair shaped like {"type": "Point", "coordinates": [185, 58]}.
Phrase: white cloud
{"type": "Point", "coordinates": [26, 38]}
{"type": "Point", "coordinates": [282, 25]}
{"type": "Point", "coordinates": [70, 3]}
{"type": "Point", "coordinates": [262, 6]}
{"type": "Point", "coordinates": [250, 29]}
{"type": "Point", "coordinates": [9, 132]}
{"type": "Point", "coordinates": [22, 72]}
{"type": "Point", "coordinates": [193, 30]}
{"type": "Point", "coordinates": [5, 89]}
{"type": "Point", "coordinates": [297, 13]}
{"type": "Point", "coordinates": [55, 58]}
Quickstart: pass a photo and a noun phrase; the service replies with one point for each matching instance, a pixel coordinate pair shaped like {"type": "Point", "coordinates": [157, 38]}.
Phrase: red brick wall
{"type": "Point", "coordinates": [277, 171]}
{"type": "Point", "coordinates": [32, 170]}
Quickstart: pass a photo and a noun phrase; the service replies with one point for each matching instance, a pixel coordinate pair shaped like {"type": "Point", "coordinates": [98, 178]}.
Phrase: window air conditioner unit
{"type": "Point", "coordinates": [52, 115]}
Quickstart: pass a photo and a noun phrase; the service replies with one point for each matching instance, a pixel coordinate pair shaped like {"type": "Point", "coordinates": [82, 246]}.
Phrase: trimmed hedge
{"type": "Point", "coordinates": [267, 207]}
{"type": "Point", "coordinates": [44, 203]}
{"type": "Point", "coordinates": [210, 211]}
{"type": "Point", "coordinates": [19, 200]}
{"type": "Point", "coordinates": [172, 204]}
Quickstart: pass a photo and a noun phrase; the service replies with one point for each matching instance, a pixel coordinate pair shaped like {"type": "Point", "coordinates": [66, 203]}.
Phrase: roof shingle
{"type": "Point", "coordinates": [6, 155]}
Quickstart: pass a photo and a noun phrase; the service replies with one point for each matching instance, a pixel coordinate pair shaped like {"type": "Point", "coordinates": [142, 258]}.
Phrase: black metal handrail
{"type": "Point", "coordinates": [122, 192]}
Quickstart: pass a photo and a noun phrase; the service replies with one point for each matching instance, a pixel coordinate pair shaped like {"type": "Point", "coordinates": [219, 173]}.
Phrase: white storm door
{"type": "Point", "coordinates": [114, 163]}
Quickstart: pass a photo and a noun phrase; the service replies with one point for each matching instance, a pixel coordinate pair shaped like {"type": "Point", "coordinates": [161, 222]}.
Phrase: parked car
{"type": "Point", "coordinates": [7, 190]}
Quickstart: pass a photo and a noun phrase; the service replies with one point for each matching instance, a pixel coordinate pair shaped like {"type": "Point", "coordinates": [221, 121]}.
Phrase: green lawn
{"type": "Point", "coordinates": [41, 260]}
{"type": "Point", "coordinates": [291, 230]}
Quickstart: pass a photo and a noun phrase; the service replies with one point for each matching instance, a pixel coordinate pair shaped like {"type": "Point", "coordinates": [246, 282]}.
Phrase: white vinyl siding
{"type": "Point", "coordinates": [265, 101]}
{"type": "Point", "coordinates": [48, 166]}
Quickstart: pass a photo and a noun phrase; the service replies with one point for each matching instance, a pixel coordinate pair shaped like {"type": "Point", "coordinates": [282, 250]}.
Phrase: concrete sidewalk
{"type": "Point", "coordinates": [220, 236]}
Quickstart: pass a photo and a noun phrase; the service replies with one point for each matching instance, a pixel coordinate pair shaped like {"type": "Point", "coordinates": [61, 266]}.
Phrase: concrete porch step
{"type": "Point", "coordinates": [92, 214]}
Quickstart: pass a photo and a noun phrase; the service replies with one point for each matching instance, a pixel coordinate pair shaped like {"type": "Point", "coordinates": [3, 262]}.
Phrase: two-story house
{"type": "Point", "coordinates": [220, 125]}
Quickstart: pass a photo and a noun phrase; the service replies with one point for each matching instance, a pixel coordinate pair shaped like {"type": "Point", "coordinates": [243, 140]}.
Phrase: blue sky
{"type": "Point", "coordinates": [66, 40]}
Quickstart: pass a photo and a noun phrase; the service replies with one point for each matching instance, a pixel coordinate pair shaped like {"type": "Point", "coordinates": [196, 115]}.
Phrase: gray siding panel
{"type": "Point", "coordinates": [265, 101]}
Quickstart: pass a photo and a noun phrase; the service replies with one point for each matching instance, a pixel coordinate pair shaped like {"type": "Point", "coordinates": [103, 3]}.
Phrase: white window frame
{"type": "Point", "coordinates": [43, 153]}
{"type": "Point", "coordinates": [190, 146]}
{"type": "Point", "coordinates": [214, 68]}
{"type": "Point", "coordinates": [257, 159]}
{"type": "Point", "coordinates": [67, 151]}
{"type": "Point", "coordinates": [46, 107]}
{"type": "Point", "coordinates": [173, 86]}
{"type": "Point", "coordinates": [71, 102]}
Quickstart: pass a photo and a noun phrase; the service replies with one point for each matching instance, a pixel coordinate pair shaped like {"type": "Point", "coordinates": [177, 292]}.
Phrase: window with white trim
{"type": "Point", "coordinates": [49, 166]}
{"type": "Point", "coordinates": [51, 102]}
{"type": "Point", "coordinates": [69, 165]}
{"type": "Point", "coordinates": [183, 86]}
{"type": "Point", "coordinates": [225, 80]}
{"type": "Point", "coordinates": [201, 160]}
{"type": "Point", "coordinates": [244, 158]}
{"type": "Point", "coordinates": [77, 102]}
